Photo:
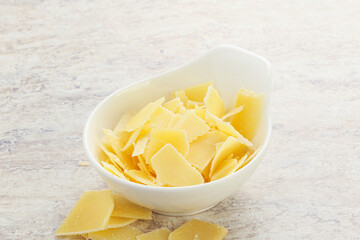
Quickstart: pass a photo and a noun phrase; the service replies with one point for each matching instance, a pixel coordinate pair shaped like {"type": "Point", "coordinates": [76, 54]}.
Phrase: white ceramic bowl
{"type": "Point", "coordinates": [230, 68]}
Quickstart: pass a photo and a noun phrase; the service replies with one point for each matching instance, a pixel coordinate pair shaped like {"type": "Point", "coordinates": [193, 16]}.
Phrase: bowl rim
{"type": "Point", "coordinates": [138, 186]}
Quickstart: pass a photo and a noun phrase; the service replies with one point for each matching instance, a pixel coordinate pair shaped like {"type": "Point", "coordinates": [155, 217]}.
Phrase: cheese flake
{"type": "Point", "coordinates": [214, 103]}
{"type": "Point", "coordinates": [193, 125]}
{"type": "Point", "coordinates": [225, 168]}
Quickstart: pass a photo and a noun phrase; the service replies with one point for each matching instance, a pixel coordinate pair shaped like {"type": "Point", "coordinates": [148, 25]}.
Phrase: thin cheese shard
{"type": "Point", "coordinates": [232, 112]}
{"type": "Point", "coordinates": [140, 118]}
{"type": "Point", "coordinates": [127, 209]}
{"type": "Point", "coordinates": [174, 120]}
{"type": "Point", "coordinates": [145, 167]}
{"type": "Point", "coordinates": [225, 168]}
{"type": "Point", "coordinates": [214, 103]}
{"type": "Point", "coordinates": [112, 169]}
{"type": "Point", "coordinates": [230, 146]}
{"type": "Point", "coordinates": [247, 122]}
{"type": "Point", "coordinates": [197, 93]}
{"type": "Point", "coordinates": [193, 125]}
{"type": "Point", "coordinates": [131, 140]}
{"type": "Point", "coordinates": [198, 230]}
{"type": "Point", "coordinates": [241, 162]}
{"type": "Point", "coordinates": [122, 233]}
{"type": "Point", "coordinates": [158, 234]}
{"type": "Point", "coordinates": [121, 125]}
{"type": "Point", "coordinates": [172, 169]}
{"type": "Point", "coordinates": [91, 213]}
{"type": "Point", "coordinates": [116, 222]}
{"type": "Point", "coordinates": [203, 149]}
{"type": "Point", "coordinates": [140, 177]}
{"type": "Point", "coordinates": [173, 105]}
{"type": "Point", "coordinates": [226, 128]}
{"type": "Point", "coordinates": [113, 158]}
{"type": "Point", "coordinates": [251, 157]}
{"type": "Point", "coordinates": [159, 137]}
{"type": "Point", "coordinates": [161, 118]}
{"type": "Point", "coordinates": [141, 142]}
{"type": "Point", "coordinates": [182, 96]}
{"type": "Point", "coordinates": [116, 142]}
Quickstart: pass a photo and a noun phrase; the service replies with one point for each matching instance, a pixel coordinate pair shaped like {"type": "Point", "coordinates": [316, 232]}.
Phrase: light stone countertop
{"type": "Point", "coordinates": [58, 59]}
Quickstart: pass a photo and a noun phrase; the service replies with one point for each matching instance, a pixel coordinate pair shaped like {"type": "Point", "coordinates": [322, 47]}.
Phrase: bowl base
{"type": "Point", "coordinates": [185, 213]}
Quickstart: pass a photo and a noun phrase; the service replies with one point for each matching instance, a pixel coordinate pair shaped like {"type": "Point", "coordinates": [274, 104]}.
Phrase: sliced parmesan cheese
{"type": "Point", "coordinates": [113, 170]}
{"type": "Point", "coordinates": [182, 96]}
{"type": "Point", "coordinates": [241, 161]}
{"type": "Point", "coordinates": [172, 169]}
{"type": "Point", "coordinates": [140, 177]}
{"type": "Point", "coordinates": [232, 112]}
{"type": "Point", "coordinates": [116, 222]}
{"type": "Point", "coordinates": [121, 125]}
{"type": "Point", "coordinates": [230, 146]}
{"type": "Point", "coordinates": [91, 213]}
{"type": "Point", "coordinates": [131, 140]}
{"type": "Point", "coordinates": [193, 125]}
{"type": "Point", "coordinates": [116, 142]}
{"type": "Point", "coordinates": [203, 149]}
{"type": "Point", "coordinates": [199, 230]}
{"type": "Point", "coordinates": [141, 142]}
{"type": "Point", "coordinates": [127, 209]}
{"type": "Point", "coordinates": [161, 118]}
{"type": "Point", "coordinates": [173, 105]}
{"type": "Point", "coordinates": [122, 233]}
{"type": "Point", "coordinates": [160, 137]}
{"type": "Point", "coordinates": [158, 234]}
{"type": "Point", "coordinates": [197, 93]}
{"type": "Point", "coordinates": [251, 157]}
{"type": "Point", "coordinates": [214, 103]}
{"type": "Point", "coordinates": [174, 120]}
{"type": "Point", "coordinates": [247, 121]}
{"type": "Point", "coordinates": [224, 169]}
{"type": "Point", "coordinates": [140, 118]}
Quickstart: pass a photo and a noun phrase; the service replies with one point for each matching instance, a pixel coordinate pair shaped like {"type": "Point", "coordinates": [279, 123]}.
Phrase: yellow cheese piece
{"type": "Point", "coordinates": [161, 118]}
{"type": "Point", "coordinates": [116, 222]}
{"type": "Point", "coordinates": [199, 230]}
{"type": "Point", "coordinates": [232, 112]}
{"type": "Point", "coordinates": [160, 137]}
{"type": "Point", "coordinates": [122, 233]}
{"type": "Point", "coordinates": [225, 168]}
{"type": "Point", "coordinates": [140, 176]}
{"type": "Point", "coordinates": [182, 96]}
{"type": "Point", "coordinates": [200, 111]}
{"type": "Point", "coordinates": [203, 149]}
{"type": "Point", "coordinates": [158, 234]}
{"type": "Point", "coordinates": [142, 141]}
{"type": "Point", "coordinates": [172, 169]}
{"type": "Point", "coordinates": [251, 157]}
{"type": "Point", "coordinates": [181, 110]}
{"type": "Point", "coordinates": [247, 121]}
{"type": "Point", "coordinates": [141, 117]}
{"type": "Point", "coordinates": [193, 104]}
{"type": "Point", "coordinates": [90, 213]}
{"type": "Point", "coordinates": [197, 93]}
{"type": "Point", "coordinates": [116, 142]}
{"type": "Point", "coordinates": [174, 120]}
{"type": "Point", "coordinates": [121, 125]}
{"type": "Point", "coordinates": [131, 140]}
{"type": "Point", "coordinates": [127, 209]}
{"type": "Point", "coordinates": [112, 169]}
{"type": "Point", "coordinates": [193, 125]}
{"type": "Point", "coordinates": [214, 103]}
{"type": "Point", "coordinates": [173, 105]}
{"type": "Point", "coordinates": [113, 158]}
{"type": "Point", "coordinates": [145, 167]}
{"type": "Point", "coordinates": [241, 162]}
{"type": "Point", "coordinates": [230, 146]}
{"type": "Point", "coordinates": [227, 128]}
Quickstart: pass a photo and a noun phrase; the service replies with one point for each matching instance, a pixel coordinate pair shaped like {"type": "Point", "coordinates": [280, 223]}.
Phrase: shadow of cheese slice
{"type": "Point", "coordinates": [214, 103]}
{"type": "Point", "coordinates": [122, 233]}
{"type": "Point", "coordinates": [158, 234]}
{"type": "Point", "coordinates": [193, 125]}
{"type": "Point", "coordinates": [127, 209]}
{"type": "Point", "coordinates": [144, 115]}
{"type": "Point", "coordinates": [91, 213]}
{"type": "Point", "coordinates": [173, 169]}
{"type": "Point", "coordinates": [196, 229]}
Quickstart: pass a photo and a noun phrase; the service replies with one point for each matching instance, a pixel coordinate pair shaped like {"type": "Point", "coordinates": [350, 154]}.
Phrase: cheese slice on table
{"type": "Point", "coordinates": [197, 93]}
{"type": "Point", "coordinates": [214, 103]}
{"type": "Point", "coordinates": [140, 177]}
{"type": "Point", "coordinates": [203, 149]}
{"type": "Point", "coordinates": [160, 137]}
{"type": "Point", "coordinates": [127, 209]}
{"type": "Point", "coordinates": [141, 117]}
{"type": "Point", "coordinates": [172, 105]}
{"type": "Point", "coordinates": [196, 229]}
{"type": "Point", "coordinates": [247, 121]}
{"type": "Point", "coordinates": [121, 125]}
{"type": "Point", "coordinates": [225, 168]}
{"type": "Point", "coordinates": [193, 125]}
{"type": "Point", "coordinates": [172, 169]}
{"type": "Point", "coordinates": [158, 234]}
{"type": "Point", "coordinates": [116, 222]}
{"type": "Point", "coordinates": [122, 233]}
{"type": "Point", "coordinates": [91, 213]}
{"type": "Point", "coordinates": [161, 118]}
{"type": "Point", "coordinates": [230, 146]}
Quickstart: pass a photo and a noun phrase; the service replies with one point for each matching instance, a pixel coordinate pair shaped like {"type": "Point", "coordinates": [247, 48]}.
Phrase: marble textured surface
{"type": "Point", "coordinates": [58, 59]}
